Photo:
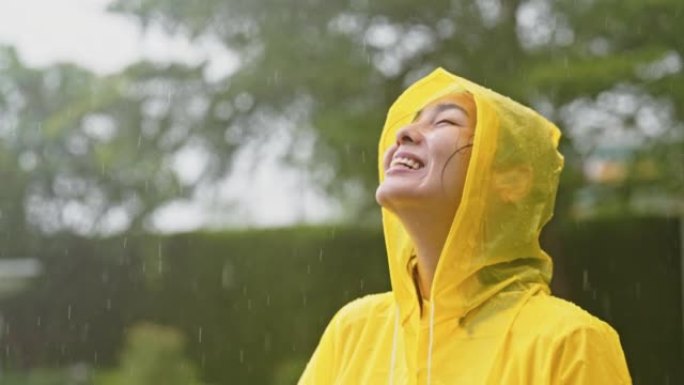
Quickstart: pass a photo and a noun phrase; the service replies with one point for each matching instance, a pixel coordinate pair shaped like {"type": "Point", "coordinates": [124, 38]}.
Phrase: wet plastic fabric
{"type": "Point", "coordinates": [490, 318]}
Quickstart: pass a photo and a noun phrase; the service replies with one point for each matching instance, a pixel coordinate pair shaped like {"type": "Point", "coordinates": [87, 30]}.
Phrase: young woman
{"type": "Point", "coordinates": [467, 180]}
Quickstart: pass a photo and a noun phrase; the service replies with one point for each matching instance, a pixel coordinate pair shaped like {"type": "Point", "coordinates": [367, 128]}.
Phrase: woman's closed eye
{"type": "Point", "coordinates": [450, 122]}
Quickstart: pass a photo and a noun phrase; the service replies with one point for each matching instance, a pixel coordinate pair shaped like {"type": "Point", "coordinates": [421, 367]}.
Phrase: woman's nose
{"type": "Point", "coordinates": [409, 134]}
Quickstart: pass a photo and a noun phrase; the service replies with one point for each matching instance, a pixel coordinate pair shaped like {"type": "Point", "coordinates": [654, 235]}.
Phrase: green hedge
{"type": "Point", "coordinates": [252, 304]}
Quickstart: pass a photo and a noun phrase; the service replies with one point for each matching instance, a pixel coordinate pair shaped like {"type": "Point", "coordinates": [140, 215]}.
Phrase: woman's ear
{"type": "Point", "coordinates": [513, 184]}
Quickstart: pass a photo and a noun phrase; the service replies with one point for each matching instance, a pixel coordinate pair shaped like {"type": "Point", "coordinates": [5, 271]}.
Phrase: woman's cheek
{"type": "Point", "coordinates": [388, 156]}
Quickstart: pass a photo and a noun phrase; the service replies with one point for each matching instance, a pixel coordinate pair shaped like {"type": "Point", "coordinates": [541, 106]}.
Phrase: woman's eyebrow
{"type": "Point", "coordinates": [441, 108]}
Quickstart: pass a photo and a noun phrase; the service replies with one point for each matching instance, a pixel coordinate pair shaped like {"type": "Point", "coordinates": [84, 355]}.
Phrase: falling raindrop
{"type": "Point", "coordinates": [227, 275]}
{"type": "Point", "coordinates": [585, 280]}
{"type": "Point", "coordinates": [199, 335]}
{"type": "Point", "coordinates": [308, 269]}
{"type": "Point", "coordinates": [268, 300]}
{"type": "Point", "coordinates": [168, 98]}
{"type": "Point", "coordinates": [38, 321]}
{"type": "Point", "coordinates": [69, 312]}
{"type": "Point", "coordinates": [125, 242]}
{"type": "Point", "coordinates": [637, 290]}
{"type": "Point", "coordinates": [160, 261]}
{"type": "Point", "coordinates": [108, 305]}
{"type": "Point", "coordinates": [606, 306]}
{"type": "Point", "coordinates": [242, 356]}
{"type": "Point", "coordinates": [85, 331]}
{"type": "Point", "coordinates": [320, 255]}
{"type": "Point", "coordinates": [267, 342]}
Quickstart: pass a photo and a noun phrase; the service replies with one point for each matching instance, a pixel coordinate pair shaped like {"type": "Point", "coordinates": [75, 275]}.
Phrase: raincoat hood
{"type": "Point", "coordinates": [508, 196]}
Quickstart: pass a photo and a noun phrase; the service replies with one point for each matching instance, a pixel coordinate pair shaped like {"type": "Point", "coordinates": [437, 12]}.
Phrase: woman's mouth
{"type": "Point", "coordinates": [406, 162]}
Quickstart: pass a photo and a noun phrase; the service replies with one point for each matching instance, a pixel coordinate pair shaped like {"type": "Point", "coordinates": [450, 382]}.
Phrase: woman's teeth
{"type": "Point", "coordinates": [410, 163]}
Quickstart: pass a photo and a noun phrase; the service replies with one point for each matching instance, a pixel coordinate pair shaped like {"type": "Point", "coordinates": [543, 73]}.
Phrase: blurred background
{"type": "Point", "coordinates": [187, 186]}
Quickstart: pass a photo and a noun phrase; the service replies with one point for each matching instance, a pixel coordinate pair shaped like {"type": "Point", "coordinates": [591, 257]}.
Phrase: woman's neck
{"type": "Point", "coordinates": [428, 231]}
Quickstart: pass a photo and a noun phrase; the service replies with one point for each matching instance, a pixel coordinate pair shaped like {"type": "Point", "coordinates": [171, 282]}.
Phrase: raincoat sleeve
{"type": "Point", "coordinates": [321, 367]}
{"type": "Point", "coordinates": [590, 355]}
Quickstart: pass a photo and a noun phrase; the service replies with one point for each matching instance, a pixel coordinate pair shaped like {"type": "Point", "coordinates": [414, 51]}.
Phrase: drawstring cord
{"type": "Point", "coordinates": [430, 335]}
{"type": "Point", "coordinates": [393, 358]}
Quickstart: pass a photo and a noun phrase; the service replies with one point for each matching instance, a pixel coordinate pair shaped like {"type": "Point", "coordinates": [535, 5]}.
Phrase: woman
{"type": "Point", "coordinates": [467, 180]}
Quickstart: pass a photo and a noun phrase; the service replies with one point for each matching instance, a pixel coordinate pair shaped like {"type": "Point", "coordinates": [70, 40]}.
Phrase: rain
{"type": "Point", "coordinates": [189, 187]}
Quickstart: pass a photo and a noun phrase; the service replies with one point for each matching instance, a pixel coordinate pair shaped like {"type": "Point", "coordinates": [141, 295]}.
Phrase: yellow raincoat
{"type": "Point", "coordinates": [490, 318]}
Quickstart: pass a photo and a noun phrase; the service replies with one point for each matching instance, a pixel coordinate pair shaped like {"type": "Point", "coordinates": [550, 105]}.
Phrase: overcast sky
{"type": "Point", "coordinates": [81, 31]}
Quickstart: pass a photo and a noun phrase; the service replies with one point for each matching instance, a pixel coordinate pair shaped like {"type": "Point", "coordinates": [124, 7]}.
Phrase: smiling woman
{"type": "Point", "coordinates": [467, 180]}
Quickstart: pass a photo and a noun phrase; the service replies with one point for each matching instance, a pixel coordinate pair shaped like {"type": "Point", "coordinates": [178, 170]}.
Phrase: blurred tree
{"type": "Point", "coordinates": [608, 71]}
{"type": "Point", "coordinates": [95, 155]}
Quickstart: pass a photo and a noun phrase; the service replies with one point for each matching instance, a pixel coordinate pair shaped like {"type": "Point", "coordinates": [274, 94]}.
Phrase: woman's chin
{"type": "Point", "coordinates": [391, 195]}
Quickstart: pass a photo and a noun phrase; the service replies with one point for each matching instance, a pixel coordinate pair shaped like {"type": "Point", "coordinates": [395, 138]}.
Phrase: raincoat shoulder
{"type": "Point", "coordinates": [340, 341]}
{"type": "Point", "coordinates": [567, 345]}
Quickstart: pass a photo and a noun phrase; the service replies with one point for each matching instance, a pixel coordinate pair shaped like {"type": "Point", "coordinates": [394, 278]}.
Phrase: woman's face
{"type": "Point", "coordinates": [426, 167]}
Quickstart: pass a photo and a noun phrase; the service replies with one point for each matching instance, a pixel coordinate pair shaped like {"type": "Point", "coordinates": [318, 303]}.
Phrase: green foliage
{"type": "Point", "coordinates": [78, 151]}
{"type": "Point", "coordinates": [99, 147]}
{"type": "Point", "coordinates": [153, 355]}
{"type": "Point", "coordinates": [60, 376]}
{"type": "Point", "coordinates": [251, 305]}
{"type": "Point", "coordinates": [343, 64]}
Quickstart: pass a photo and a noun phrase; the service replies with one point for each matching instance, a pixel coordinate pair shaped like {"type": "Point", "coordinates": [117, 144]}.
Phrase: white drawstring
{"type": "Point", "coordinates": [429, 357]}
{"type": "Point", "coordinates": [394, 345]}
{"type": "Point", "coordinates": [393, 358]}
